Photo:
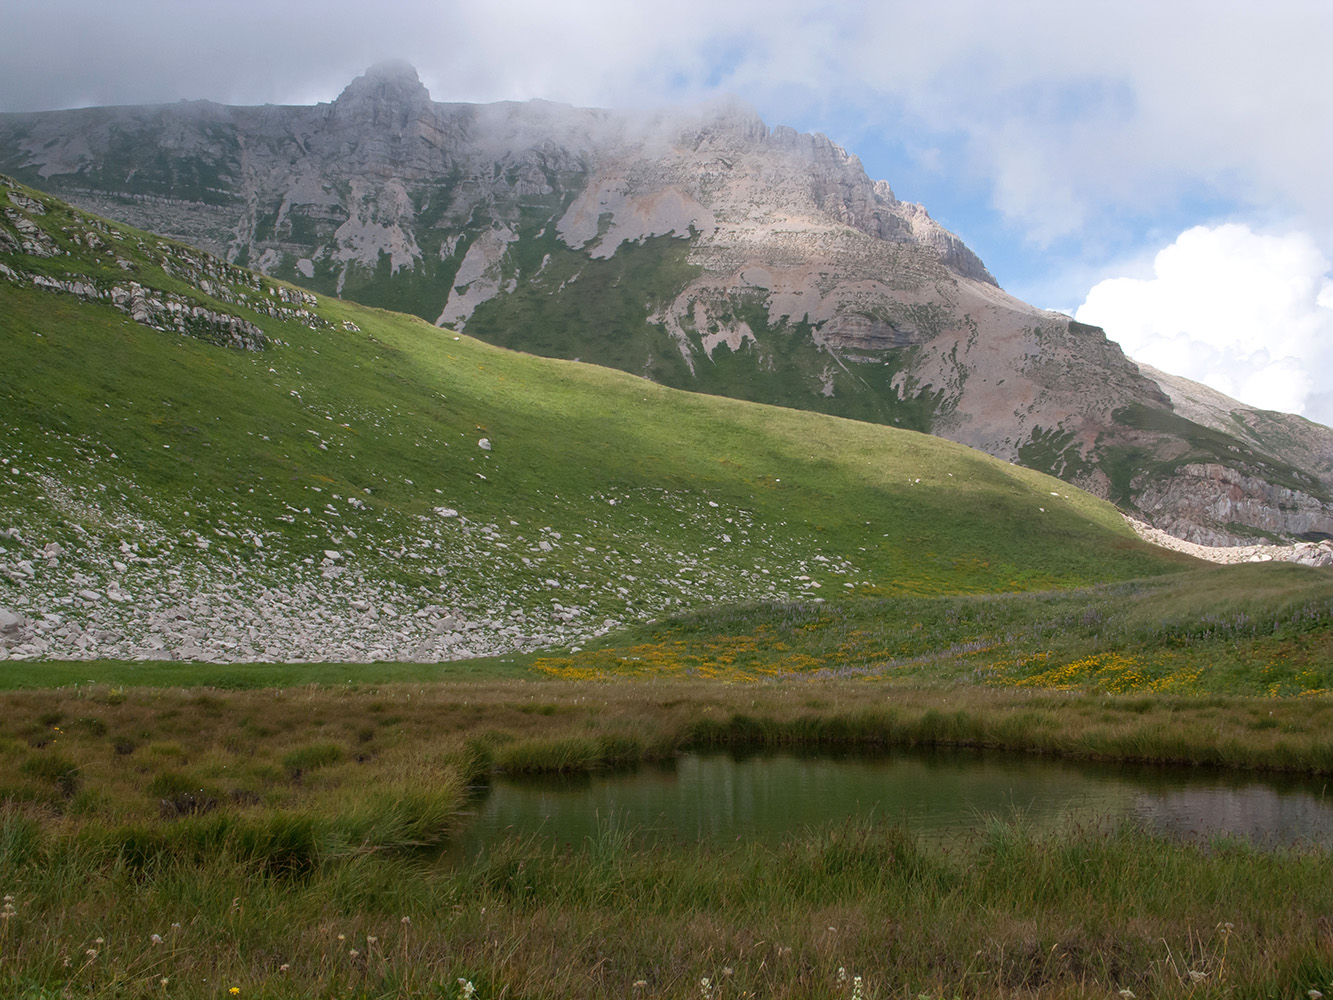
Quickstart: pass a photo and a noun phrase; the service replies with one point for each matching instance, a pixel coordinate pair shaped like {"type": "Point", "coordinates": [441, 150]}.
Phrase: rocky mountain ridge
{"type": "Point", "coordinates": [697, 247]}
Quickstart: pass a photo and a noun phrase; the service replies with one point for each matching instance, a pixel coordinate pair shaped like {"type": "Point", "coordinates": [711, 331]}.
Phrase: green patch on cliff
{"type": "Point", "coordinates": [1124, 463]}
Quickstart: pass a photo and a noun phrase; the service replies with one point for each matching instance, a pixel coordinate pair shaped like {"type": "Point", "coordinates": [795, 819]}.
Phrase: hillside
{"type": "Point", "coordinates": [696, 247]}
{"type": "Point", "coordinates": [203, 463]}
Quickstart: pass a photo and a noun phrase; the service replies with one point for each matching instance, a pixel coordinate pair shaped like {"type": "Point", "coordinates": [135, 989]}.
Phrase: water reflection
{"type": "Point", "coordinates": [1258, 813]}
{"type": "Point", "coordinates": [937, 794]}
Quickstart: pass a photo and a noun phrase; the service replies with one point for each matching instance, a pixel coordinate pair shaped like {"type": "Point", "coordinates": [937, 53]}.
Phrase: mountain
{"type": "Point", "coordinates": [695, 247]}
{"type": "Point", "coordinates": [199, 462]}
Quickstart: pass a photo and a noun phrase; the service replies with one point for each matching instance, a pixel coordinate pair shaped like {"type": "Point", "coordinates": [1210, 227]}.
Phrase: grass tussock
{"type": "Point", "coordinates": [854, 910]}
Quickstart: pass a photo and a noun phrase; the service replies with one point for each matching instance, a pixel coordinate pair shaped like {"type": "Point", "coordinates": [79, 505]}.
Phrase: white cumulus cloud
{"type": "Point", "coordinates": [1247, 313]}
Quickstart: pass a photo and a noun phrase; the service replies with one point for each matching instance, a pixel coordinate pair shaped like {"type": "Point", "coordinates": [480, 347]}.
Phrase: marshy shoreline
{"type": "Point", "coordinates": [286, 842]}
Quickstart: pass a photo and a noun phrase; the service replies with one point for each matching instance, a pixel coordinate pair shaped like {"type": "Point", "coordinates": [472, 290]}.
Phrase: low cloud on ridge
{"type": "Point", "coordinates": [1247, 313]}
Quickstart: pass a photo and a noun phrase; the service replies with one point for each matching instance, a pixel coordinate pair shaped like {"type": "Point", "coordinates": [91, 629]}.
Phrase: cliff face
{"type": "Point", "coordinates": [697, 247]}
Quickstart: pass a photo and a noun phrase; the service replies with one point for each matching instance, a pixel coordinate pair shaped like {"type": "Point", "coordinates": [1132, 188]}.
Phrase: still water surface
{"type": "Point", "coordinates": [938, 794]}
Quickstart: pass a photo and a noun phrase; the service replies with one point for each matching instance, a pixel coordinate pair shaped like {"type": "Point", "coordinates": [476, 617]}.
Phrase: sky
{"type": "Point", "coordinates": [1160, 169]}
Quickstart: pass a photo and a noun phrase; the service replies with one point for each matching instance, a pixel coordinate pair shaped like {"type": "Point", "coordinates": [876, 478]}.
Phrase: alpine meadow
{"type": "Point", "coordinates": [288, 582]}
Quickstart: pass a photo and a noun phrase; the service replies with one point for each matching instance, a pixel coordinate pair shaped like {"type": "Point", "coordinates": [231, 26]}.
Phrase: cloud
{"type": "Point", "coordinates": [1072, 113]}
{"type": "Point", "coordinates": [1249, 314]}
{"type": "Point", "coordinates": [1053, 136]}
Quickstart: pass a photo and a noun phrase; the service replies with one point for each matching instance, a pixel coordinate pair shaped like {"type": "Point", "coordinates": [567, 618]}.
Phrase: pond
{"type": "Point", "coordinates": [936, 794]}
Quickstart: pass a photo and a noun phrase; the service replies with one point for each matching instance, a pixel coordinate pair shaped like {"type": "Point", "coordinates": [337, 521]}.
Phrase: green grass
{"type": "Point", "coordinates": [115, 433]}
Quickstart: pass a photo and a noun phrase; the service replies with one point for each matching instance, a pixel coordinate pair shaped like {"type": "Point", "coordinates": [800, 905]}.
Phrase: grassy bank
{"type": "Point", "coordinates": [108, 754]}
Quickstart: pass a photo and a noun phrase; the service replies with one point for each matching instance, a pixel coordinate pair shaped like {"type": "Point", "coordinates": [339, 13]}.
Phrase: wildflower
{"type": "Point", "coordinates": [856, 988]}
{"type": "Point", "coordinates": [156, 939]}
{"type": "Point", "coordinates": [235, 991]}
{"type": "Point", "coordinates": [640, 983]}
{"type": "Point", "coordinates": [1196, 976]}
{"type": "Point", "coordinates": [175, 927]}
{"type": "Point", "coordinates": [91, 953]}
{"type": "Point", "coordinates": [727, 970]}
{"type": "Point", "coordinates": [467, 989]}
{"type": "Point", "coordinates": [1127, 994]}
{"type": "Point", "coordinates": [354, 953]}
{"type": "Point", "coordinates": [284, 966]}
{"type": "Point", "coordinates": [842, 973]}
{"type": "Point", "coordinates": [163, 982]}
{"type": "Point", "coordinates": [405, 921]}
{"type": "Point", "coordinates": [371, 939]}
{"type": "Point", "coordinates": [342, 937]}
{"type": "Point", "coordinates": [1314, 995]}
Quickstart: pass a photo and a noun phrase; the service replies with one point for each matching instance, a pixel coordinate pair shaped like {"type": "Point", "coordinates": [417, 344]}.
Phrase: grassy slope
{"type": "Point", "coordinates": [1264, 629]}
{"type": "Point", "coordinates": [721, 508]}
{"type": "Point", "coordinates": [709, 493]}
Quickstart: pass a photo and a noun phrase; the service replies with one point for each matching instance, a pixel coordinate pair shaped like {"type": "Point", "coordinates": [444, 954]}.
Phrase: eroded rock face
{"type": "Point", "coordinates": [1214, 505]}
{"type": "Point", "coordinates": [697, 247]}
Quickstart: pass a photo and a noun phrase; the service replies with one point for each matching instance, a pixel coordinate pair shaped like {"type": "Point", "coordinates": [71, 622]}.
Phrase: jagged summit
{"type": "Point", "coordinates": [693, 246]}
{"type": "Point", "coordinates": [388, 96]}
{"type": "Point", "coordinates": [392, 80]}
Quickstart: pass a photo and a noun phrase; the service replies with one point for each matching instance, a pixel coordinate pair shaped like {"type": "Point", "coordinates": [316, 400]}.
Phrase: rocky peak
{"type": "Point", "coordinates": [388, 92]}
